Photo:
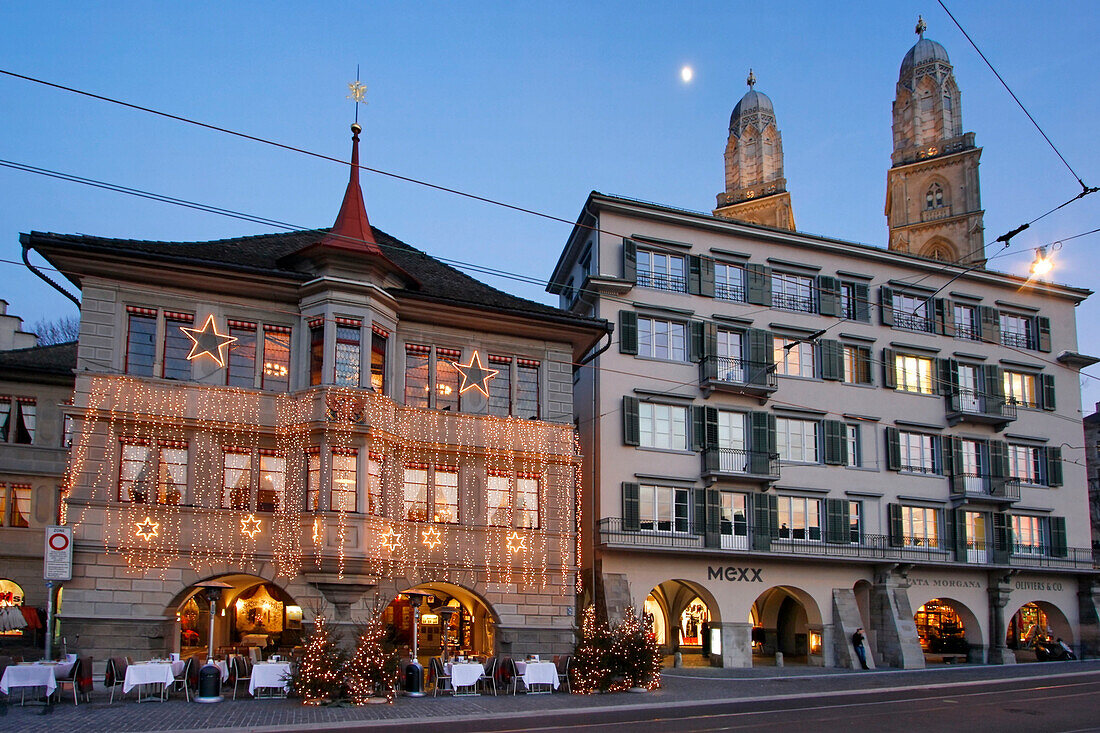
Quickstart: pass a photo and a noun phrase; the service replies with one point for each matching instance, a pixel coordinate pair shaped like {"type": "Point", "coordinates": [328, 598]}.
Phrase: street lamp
{"type": "Point", "coordinates": [210, 676]}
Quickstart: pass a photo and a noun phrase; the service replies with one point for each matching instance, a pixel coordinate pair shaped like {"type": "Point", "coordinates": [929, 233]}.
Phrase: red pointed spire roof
{"type": "Point", "coordinates": [352, 228]}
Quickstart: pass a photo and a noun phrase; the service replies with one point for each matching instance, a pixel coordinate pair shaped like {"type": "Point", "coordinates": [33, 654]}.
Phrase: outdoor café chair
{"type": "Point", "coordinates": [184, 678]}
{"type": "Point", "coordinates": [79, 680]}
{"type": "Point", "coordinates": [115, 675]}
{"type": "Point", "coordinates": [442, 679]}
{"type": "Point", "coordinates": [487, 677]}
{"type": "Point", "coordinates": [242, 672]}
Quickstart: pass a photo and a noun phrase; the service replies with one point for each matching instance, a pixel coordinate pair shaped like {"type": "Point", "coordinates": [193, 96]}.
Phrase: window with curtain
{"type": "Point", "coordinates": [796, 361]}
{"type": "Point", "coordinates": [374, 484]}
{"type": "Point", "coordinates": [136, 474]}
{"type": "Point", "coordinates": [446, 379]}
{"type": "Point", "coordinates": [313, 481]}
{"type": "Point", "coordinates": [172, 484]}
{"type": "Point", "coordinates": [1028, 535]}
{"type": "Point", "coordinates": [799, 518]}
{"type": "Point", "coordinates": [417, 383]}
{"type": "Point", "coordinates": [918, 452]}
{"type": "Point", "coordinates": [527, 501]}
{"type": "Point", "coordinates": [378, 344]}
{"type": "Point", "coordinates": [342, 497]}
{"type": "Point", "coordinates": [20, 505]}
{"type": "Point", "coordinates": [499, 499]}
{"type": "Point", "coordinates": [914, 374]}
{"type": "Point", "coordinates": [920, 526]}
{"type": "Point", "coordinates": [276, 359]}
{"type": "Point", "coordinates": [416, 493]}
{"type": "Point", "coordinates": [236, 480]}
{"type": "Point", "coordinates": [316, 351]}
{"type": "Point", "coordinates": [445, 495]}
{"type": "Point", "coordinates": [271, 491]}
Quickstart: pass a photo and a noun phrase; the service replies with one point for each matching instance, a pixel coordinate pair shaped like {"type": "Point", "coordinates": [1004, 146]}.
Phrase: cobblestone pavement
{"type": "Point", "coordinates": [684, 685]}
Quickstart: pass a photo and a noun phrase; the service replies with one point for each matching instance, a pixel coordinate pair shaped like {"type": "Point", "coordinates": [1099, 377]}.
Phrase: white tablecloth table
{"type": "Point", "coordinates": [465, 674]}
{"type": "Point", "coordinates": [61, 670]}
{"type": "Point", "coordinates": [269, 674]}
{"type": "Point", "coordinates": [29, 675]}
{"type": "Point", "coordinates": [177, 667]}
{"type": "Point", "coordinates": [538, 673]}
{"type": "Point", "coordinates": [148, 673]}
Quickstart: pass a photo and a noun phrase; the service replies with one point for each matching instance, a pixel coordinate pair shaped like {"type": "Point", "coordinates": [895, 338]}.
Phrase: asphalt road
{"type": "Point", "coordinates": [1061, 703]}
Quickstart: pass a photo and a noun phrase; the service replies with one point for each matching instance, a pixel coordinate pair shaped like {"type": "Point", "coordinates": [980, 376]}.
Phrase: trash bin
{"type": "Point", "coordinates": [414, 679]}
{"type": "Point", "coordinates": [210, 684]}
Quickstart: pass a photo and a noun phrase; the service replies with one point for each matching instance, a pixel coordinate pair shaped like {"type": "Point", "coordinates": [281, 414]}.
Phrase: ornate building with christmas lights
{"type": "Point", "coordinates": [321, 420]}
{"type": "Point", "coordinates": [797, 436]}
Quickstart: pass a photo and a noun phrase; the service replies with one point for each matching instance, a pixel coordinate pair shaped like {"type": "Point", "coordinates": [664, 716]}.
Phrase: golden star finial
{"type": "Point", "coordinates": [207, 341]}
{"type": "Point", "coordinates": [391, 539]}
{"type": "Point", "coordinates": [516, 543]}
{"type": "Point", "coordinates": [358, 92]}
{"type": "Point", "coordinates": [475, 376]}
{"type": "Point", "coordinates": [431, 538]}
{"type": "Point", "coordinates": [250, 526]}
{"type": "Point", "coordinates": [147, 529]}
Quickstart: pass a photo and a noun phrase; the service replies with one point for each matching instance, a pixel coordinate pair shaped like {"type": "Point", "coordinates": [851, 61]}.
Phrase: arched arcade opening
{"type": "Point", "coordinates": [786, 620]}
{"type": "Point", "coordinates": [453, 621]}
{"type": "Point", "coordinates": [1033, 632]}
{"type": "Point", "coordinates": [948, 631]}
{"type": "Point", "coordinates": [680, 614]}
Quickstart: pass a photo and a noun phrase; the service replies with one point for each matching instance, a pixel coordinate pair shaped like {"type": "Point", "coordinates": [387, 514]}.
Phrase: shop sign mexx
{"type": "Point", "coordinates": [730, 573]}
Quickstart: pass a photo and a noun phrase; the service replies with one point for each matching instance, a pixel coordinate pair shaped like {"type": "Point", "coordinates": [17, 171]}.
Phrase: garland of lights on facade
{"type": "Point", "coordinates": [208, 420]}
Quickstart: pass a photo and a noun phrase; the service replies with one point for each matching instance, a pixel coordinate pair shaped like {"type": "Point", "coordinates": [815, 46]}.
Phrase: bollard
{"type": "Point", "coordinates": [677, 660]}
{"type": "Point", "coordinates": [779, 659]}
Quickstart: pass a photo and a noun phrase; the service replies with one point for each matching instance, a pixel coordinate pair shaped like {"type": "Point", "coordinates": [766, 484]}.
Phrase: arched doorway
{"type": "Point", "coordinates": [681, 614]}
{"type": "Point", "coordinates": [786, 620]}
{"type": "Point", "coordinates": [1035, 622]}
{"type": "Point", "coordinates": [252, 612]}
{"type": "Point", "coordinates": [454, 621]}
{"type": "Point", "coordinates": [948, 631]}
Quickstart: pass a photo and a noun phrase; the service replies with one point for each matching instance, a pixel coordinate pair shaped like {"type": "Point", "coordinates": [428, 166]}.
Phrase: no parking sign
{"type": "Point", "coordinates": [59, 554]}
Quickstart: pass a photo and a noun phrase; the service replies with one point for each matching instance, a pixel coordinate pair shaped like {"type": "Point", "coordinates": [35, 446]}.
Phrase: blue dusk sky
{"type": "Point", "coordinates": [535, 104]}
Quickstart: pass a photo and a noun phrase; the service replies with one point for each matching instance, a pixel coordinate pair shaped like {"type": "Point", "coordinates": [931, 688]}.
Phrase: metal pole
{"type": "Point", "coordinates": [213, 610]}
{"type": "Point", "coordinates": [49, 620]}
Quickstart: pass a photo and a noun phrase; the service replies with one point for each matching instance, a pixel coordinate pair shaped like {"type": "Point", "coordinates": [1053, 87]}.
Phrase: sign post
{"type": "Point", "coordinates": [57, 566]}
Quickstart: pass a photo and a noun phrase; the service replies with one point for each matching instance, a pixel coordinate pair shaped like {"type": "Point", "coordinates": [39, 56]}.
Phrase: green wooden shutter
{"type": "Point", "coordinates": [713, 515]}
{"type": "Point", "coordinates": [630, 260]}
{"type": "Point", "coordinates": [628, 332]}
{"type": "Point", "coordinates": [952, 455]}
{"type": "Point", "coordinates": [1058, 545]}
{"type": "Point", "coordinates": [893, 514]}
{"type": "Point", "coordinates": [1054, 465]}
{"type": "Point", "coordinates": [710, 351]}
{"type": "Point", "coordinates": [949, 319]}
{"type": "Point", "coordinates": [763, 442]}
{"type": "Point", "coordinates": [949, 377]}
{"type": "Point", "coordinates": [631, 501]}
{"type": "Point", "coordinates": [893, 449]}
{"type": "Point", "coordinates": [1046, 389]}
{"type": "Point", "coordinates": [989, 324]}
{"type": "Point", "coordinates": [696, 347]}
{"type": "Point", "coordinates": [711, 456]}
{"type": "Point", "coordinates": [698, 427]}
{"type": "Point", "coordinates": [631, 428]}
{"type": "Point", "coordinates": [993, 387]}
{"type": "Point", "coordinates": [998, 459]}
{"type": "Point", "coordinates": [758, 285]}
{"type": "Point", "coordinates": [694, 274]}
{"type": "Point", "coordinates": [889, 369]}
{"type": "Point", "coordinates": [765, 520]}
{"type": "Point", "coordinates": [700, 519]}
{"type": "Point", "coordinates": [836, 442]}
{"type": "Point", "coordinates": [863, 362]}
{"type": "Point", "coordinates": [940, 309]}
{"type": "Point", "coordinates": [832, 359]}
{"type": "Point", "coordinates": [1042, 327]}
{"type": "Point", "coordinates": [886, 305]}
{"type": "Point", "coordinates": [761, 356]}
{"type": "Point", "coordinates": [706, 277]}
{"type": "Point", "coordinates": [956, 531]}
{"type": "Point", "coordinates": [863, 302]}
{"type": "Point", "coordinates": [1002, 537]}
{"type": "Point", "coordinates": [828, 298]}
{"type": "Point", "coordinates": [837, 529]}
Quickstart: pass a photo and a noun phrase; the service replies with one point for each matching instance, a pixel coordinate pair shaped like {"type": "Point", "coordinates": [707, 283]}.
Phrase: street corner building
{"type": "Point", "coordinates": [794, 436]}
{"type": "Point", "coordinates": [322, 420]}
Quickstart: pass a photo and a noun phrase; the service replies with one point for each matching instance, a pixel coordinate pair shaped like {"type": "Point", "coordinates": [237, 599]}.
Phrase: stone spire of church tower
{"type": "Point", "coordinates": [756, 190]}
{"type": "Point", "coordinates": [933, 201]}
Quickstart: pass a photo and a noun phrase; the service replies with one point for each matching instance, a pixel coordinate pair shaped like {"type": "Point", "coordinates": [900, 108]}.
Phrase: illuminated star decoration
{"type": "Point", "coordinates": [390, 539]}
{"type": "Point", "coordinates": [147, 530]}
{"type": "Point", "coordinates": [207, 341]}
{"type": "Point", "coordinates": [431, 538]}
{"type": "Point", "coordinates": [515, 543]}
{"type": "Point", "coordinates": [250, 526]}
{"type": "Point", "coordinates": [475, 376]}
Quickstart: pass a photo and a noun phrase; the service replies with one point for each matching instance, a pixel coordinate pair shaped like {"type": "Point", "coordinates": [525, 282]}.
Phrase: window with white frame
{"type": "Point", "coordinates": [920, 526]}
{"type": "Point", "coordinates": [431, 493]}
{"type": "Point", "coordinates": [1020, 388]}
{"type": "Point", "coordinates": [20, 505]}
{"type": "Point", "coordinates": [663, 508]}
{"type": "Point", "coordinates": [854, 439]}
{"type": "Point", "coordinates": [374, 484]}
{"type": "Point", "coordinates": [445, 495]}
{"type": "Point", "coordinates": [662, 426]}
{"type": "Point", "coordinates": [1028, 535]}
{"type": "Point", "coordinates": [857, 364]}
{"type": "Point", "coordinates": [236, 479]}
{"type": "Point", "coordinates": [313, 481]}
{"type": "Point", "coordinates": [1026, 464]}
{"type": "Point", "coordinates": [966, 324]}
{"type": "Point", "coordinates": [855, 522]}
{"type": "Point", "coordinates": [345, 486]}
{"type": "Point", "coordinates": [914, 373]}
{"type": "Point", "coordinates": [848, 302]}
{"type": "Point", "coordinates": [662, 339]}
{"type": "Point", "coordinates": [17, 419]}
{"type": "Point", "coordinates": [729, 282]}
{"type": "Point", "coordinates": [1016, 331]}
{"type": "Point", "coordinates": [499, 499]}
{"type": "Point", "coordinates": [799, 518]}
{"type": "Point", "coordinates": [661, 271]}
{"type": "Point", "coordinates": [730, 351]}
{"type": "Point", "coordinates": [796, 440]}
{"type": "Point", "coordinates": [527, 501]}
{"type": "Point", "coordinates": [271, 487]}
{"type": "Point", "coordinates": [152, 474]}
{"type": "Point", "coordinates": [792, 292]}
{"type": "Point", "coordinates": [918, 452]}
{"type": "Point", "coordinates": [348, 352]}
{"type": "Point", "coordinates": [793, 357]}
{"type": "Point", "coordinates": [911, 312]}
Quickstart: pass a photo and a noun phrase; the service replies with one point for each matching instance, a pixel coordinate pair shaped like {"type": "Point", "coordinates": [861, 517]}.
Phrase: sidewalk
{"type": "Point", "coordinates": [681, 686]}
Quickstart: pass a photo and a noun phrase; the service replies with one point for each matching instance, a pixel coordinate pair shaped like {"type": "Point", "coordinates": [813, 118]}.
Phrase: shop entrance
{"type": "Point", "coordinates": [453, 622]}
{"type": "Point", "coordinates": [1034, 632]}
{"type": "Point", "coordinates": [786, 620]}
{"type": "Point", "coordinates": [253, 612]}
{"type": "Point", "coordinates": [947, 630]}
{"type": "Point", "coordinates": [680, 615]}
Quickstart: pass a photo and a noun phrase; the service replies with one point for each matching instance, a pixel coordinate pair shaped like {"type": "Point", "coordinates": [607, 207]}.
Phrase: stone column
{"type": "Point", "coordinates": [998, 599]}
{"type": "Point", "coordinates": [896, 640]}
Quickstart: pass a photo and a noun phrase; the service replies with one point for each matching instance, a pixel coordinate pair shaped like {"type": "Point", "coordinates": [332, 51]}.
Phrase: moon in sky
{"type": "Point", "coordinates": [687, 73]}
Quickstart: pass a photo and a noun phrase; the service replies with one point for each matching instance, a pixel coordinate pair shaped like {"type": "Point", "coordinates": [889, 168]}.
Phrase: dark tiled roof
{"type": "Point", "coordinates": [270, 254]}
{"type": "Point", "coordinates": [55, 359]}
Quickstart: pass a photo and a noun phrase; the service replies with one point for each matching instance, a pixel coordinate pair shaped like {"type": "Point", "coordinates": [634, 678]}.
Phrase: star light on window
{"type": "Point", "coordinates": [474, 375]}
{"type": "Point", "coordinates": [516, 543]}
{"type": "Point", "coordinates": [391, 539]}
{"type": "Point", "coordinates": [147, 530]}
{"type": "Point", "coordinates": [431, 538]}
{"type": "Point", "coordinates": [250, 526]}
{"type": "Point", "coordinates": [206, 341]}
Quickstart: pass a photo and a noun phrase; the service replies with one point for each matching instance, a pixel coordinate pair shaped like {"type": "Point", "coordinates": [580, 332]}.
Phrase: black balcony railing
{"type": "Point", "coordinates": [729, 291]}
{"type": "Point", "coordinates": [970, 333]}
{"type": "Point", "coordinates": [967, 403]}
{"type": "Point", "coordinates": [980, 485]}
{"type": "Point", "coordinates": [796, 303]}
{"type": "Point", "coordinates": [1017, 339]}
{"type": "Point", "coordinates": [739, 372]}
{"type": "Point", "coordinates": [737, 461]}
{"type": "Point", "coordinates": [1034, 556]}
{"type": "Point", "coordinates": [913, 322]}
{"type": "Point", "coordinates": [661, 281]}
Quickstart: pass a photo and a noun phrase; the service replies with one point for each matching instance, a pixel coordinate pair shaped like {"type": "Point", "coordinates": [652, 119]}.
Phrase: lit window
{"type": "Point", "coordinates": [240, 368]}
{"type": "Point", "coordinates": [1027, 533]}
{"type": "Point", "coordinates": [919, 527]}
{"type": "Point", "coordinates": [855, 522]}
{"type": "Point", "coordinates": [374, 484]}
{"type": "Point", "coordinates": [378, 342]}
{"type": "Point", "coordinates": [177, 346]}
{"type": "Point", "coordinates": [663, 508]}
{"type": "Point", "coordinates": [236, 480]}
{"type": "Point", "coordinates": [416, 493]}
{"type": "Point", "coordinates": [1025, 464]}
{"type": "Point", "coordinates": [796, 361]}
{"type": "Point", "coordinates": [316, 351]}
{"type": "Point", "coordinates": [347, 353]}
{"type": "Point", "coordinates": [1020, 388]}
{"type": "Point", "coordinates": [914, 373]}
{"type": "Point", "coordinates": [662, 426]}
{"type": "Point", "coordinates": [527, 501]}
{"type": "Point", "coordinates": [796, 440]}
{"type": "Point", "coordinates": [499, 499]}
{"type": "Point", "coordinates": [20, 505]}
{"type": "Point", "coordinates": [3, 504]}
{"type": "Point", "coordinates": [445, 495]}
{"type": "Point", "coordinates": [446, 379]}
{"type": "Point", "coordinates": [271, 493]}
{"type": "Point", "coordinates": [136, 474]}
{"type": "Point", "coordinates": [276, 372]}
{"type": "Point", "coordinates": [799, 518]}
{"type": "Point", "coordinates": [148, 475]}
{"type": "Point", "coordinates": [661, 271]}
{"type": "Point", "coordinates": [172, 484]}
{"type": "Point", "coordinates": [344, 485]}
{"type": "Point", "coordinates": [662, 339]}
{"type": "Point", "coordinates": [313, 482]}
{"type": "Point", "coordinates": [857, 364]}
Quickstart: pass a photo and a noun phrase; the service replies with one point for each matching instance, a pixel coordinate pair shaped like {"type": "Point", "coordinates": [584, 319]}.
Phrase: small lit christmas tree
{"type": "Point", "coordinates": [636, 654]}
{"type": "Point", "coordinates": [372, 670]}
{"type": "Point", "coordinates": [592, 661]}
{"type": "Point", "coordinates": [317, 678]}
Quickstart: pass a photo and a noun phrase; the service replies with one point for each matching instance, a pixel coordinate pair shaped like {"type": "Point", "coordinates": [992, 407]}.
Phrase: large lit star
{"type": "Point", "coordinates": [147, 530]}
{"type": "Point", "coordinates": [391, 539]}
{"type": "Point", "coordinates": [516, 543]}
{"type": "Point", "coordinates": [206, 341]}
{"type": "Point", "coordinates": [474, 375]}
{"type": "Point", "coordinates": [431, 538]}
{"type": "Point", "coordinates": [250, 526]}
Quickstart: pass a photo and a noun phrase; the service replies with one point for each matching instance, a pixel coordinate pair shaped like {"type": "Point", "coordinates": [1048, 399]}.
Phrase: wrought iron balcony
{"type": "Point", "coordinates": [661, 281]}
{"type": "Point", "coordinates": [979, 408]}
{"type": "Point", "coordinates": [739, 376]}
{"type": "Point", "coordinates": [1041, 556]}
{"type": "Point", "coordinates": [795, 303]}
{"type": "Point", "coordinates": [984, 487]}
{"type": "Point", "coordinates": [740, 463]}
{"type": "Point", "coordinates": [1017, 339]}
{"type": "Point", "coordinates": [913, 322]}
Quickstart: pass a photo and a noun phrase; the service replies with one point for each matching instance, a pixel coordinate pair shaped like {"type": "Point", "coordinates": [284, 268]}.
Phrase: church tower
{"type": "Point", "coordinates": [756, 190]}
{"type": "Point", "coordinates": [933, 202]}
